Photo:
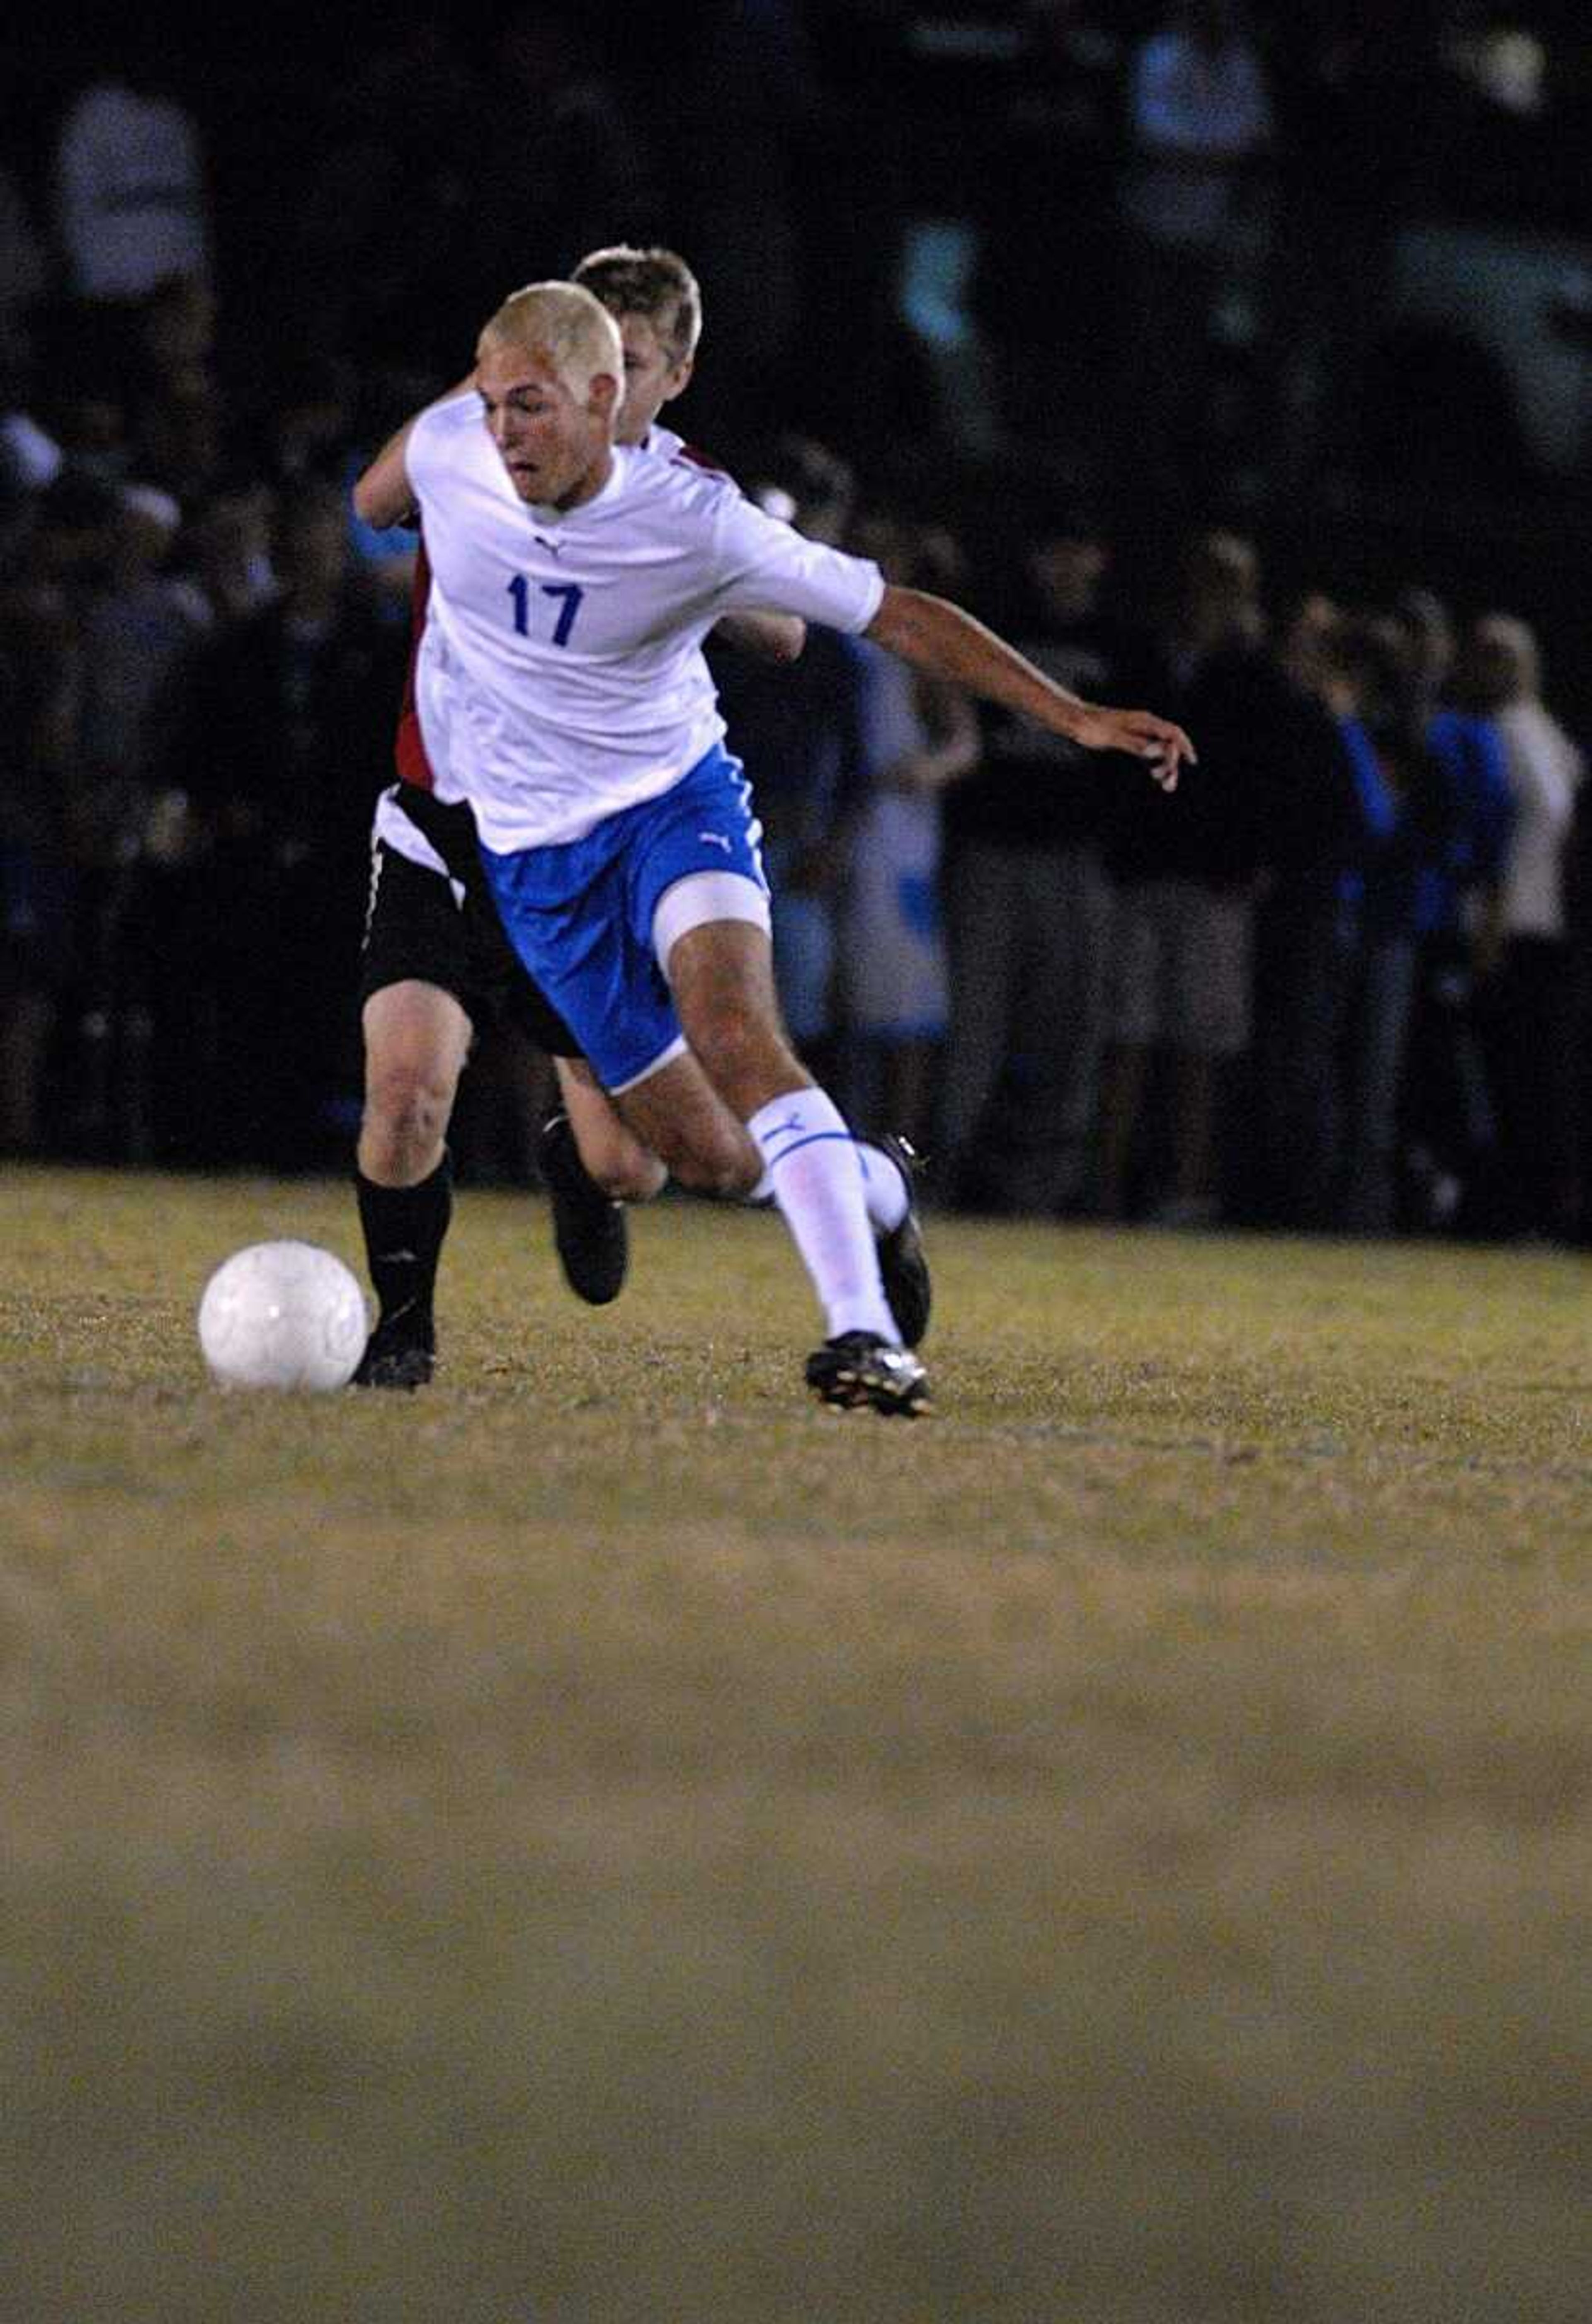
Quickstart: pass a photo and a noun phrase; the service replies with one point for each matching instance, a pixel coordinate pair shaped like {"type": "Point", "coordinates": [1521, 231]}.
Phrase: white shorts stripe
{"type": "Point", "coordinates": [699, 897]}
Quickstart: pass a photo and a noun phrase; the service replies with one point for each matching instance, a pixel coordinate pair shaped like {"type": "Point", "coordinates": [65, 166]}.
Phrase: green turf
{"type": "Point", "coordinates": [603, 1840]}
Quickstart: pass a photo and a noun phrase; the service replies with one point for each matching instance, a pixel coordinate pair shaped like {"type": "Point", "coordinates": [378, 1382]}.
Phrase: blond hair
{"type": "Point", "coordinates": [567, 328]}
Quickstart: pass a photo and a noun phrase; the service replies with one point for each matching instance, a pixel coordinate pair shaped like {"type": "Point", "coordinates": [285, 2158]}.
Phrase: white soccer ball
{"type": "Point", "coordinates": [283, 1315]}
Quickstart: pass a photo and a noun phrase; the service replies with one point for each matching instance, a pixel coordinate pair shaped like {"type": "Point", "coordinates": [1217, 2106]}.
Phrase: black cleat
{"type": "Point", "coordinates": [858, 1369]}
{"type": "Point", "coordinates": [396, 1356]}
{"type": "Point", "coordinates": [589, 1227]}
{"type": "Point", "coordinates": [902, 1264]}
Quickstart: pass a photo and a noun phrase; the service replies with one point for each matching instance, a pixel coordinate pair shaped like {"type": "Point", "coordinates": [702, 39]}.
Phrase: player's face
{"type": "Point", "coordinates": [653, 376]}
{"type": "Point", "coordinates": [554, 445]}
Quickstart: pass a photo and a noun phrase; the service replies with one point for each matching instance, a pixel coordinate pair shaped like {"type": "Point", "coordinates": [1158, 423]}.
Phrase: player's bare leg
{"type": "Point", "coordinates": [618, 1163]}
{"type": "Point", "coordinates": [592, 1164]}
{"type": "Point", "coordinates": [682, 1119]}
{"type": "Point", "coordinates": [595, 1159]}
{"type": "Point", "coordinates": [416, 1038]}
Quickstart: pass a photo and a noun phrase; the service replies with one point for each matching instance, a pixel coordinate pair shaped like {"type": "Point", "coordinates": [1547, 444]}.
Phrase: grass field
{"type": "Point", "coordinates": [603, 1840]}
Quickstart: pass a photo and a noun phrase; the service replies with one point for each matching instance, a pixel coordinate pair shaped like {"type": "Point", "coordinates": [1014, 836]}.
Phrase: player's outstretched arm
{"type": "Point", "coordinates": [772, 637]}
{"type": "Point", "coordinates": [938, 637]}
{"type": "Point", "coordinates": [382, 494]}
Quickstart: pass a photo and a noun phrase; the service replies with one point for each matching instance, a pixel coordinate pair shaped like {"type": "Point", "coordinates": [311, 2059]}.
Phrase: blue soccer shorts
{"type": "Point", "coordinates": [581, 917]}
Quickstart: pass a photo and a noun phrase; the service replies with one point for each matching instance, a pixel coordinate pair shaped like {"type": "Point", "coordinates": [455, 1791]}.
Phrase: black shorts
{"type": "Point", "coordinates": [416, 929]}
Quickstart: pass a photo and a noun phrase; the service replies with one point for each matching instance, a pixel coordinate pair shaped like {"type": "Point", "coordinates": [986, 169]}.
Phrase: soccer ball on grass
{"type": "Point", "coordinates": [283, 1315]}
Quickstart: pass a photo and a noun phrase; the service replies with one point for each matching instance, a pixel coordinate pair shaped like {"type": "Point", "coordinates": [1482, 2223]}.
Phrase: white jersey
{"type": "Point", "coordinates": [560, 673]}
{"type": "Point", "coordinates": [396, 829]}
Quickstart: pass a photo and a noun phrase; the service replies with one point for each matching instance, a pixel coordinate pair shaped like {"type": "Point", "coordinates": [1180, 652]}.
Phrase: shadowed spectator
{"type": "Point", "coordinates": [1320, 837]}
{"type": "Point", "coordinates": [1524, 960]}
{"type": "Point", "coordinates": [1449, 1116]}
{"type": "Point", "coordinates": [1186, 870]}
{"type": "Point", "coordinates": [226, 553]}
{"type": "Point", "coordinates": [1029, 904]}
{"type": "Point", "coordinates": [1407, 816]}
{"type": "Point", "coordinates": [284, 741]}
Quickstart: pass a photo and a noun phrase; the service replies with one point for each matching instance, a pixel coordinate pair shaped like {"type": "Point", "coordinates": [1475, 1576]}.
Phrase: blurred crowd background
{"type": "Point", "coordinates": [1234, 361]}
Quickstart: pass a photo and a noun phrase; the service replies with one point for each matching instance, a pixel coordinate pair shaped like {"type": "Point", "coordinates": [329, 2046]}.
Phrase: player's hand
{"type": "Point", "coordinates": [1143, 735]}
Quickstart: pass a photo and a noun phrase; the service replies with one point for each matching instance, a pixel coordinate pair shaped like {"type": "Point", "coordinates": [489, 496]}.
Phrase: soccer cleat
{"type": "Point", "coordinates": [396, 1355]}
{"type": "Point", "coordinates": [589, 1228]}
{"type": "Point", "coordinates": [858, 1369]}
{"type": "Point", "coordinates": [903, 1266]}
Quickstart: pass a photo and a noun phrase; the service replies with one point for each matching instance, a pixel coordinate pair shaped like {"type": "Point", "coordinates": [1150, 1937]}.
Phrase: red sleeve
{"type": "Point", "coordinates": [409, 750]}
{"type": "Point", "coordinates": [690, 455]}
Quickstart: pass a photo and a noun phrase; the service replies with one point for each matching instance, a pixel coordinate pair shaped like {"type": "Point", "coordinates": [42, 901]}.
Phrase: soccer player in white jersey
{"type": "Point", "coordinates": [572, 584]}
{"type": "Point", "coordinates": [435, 965]}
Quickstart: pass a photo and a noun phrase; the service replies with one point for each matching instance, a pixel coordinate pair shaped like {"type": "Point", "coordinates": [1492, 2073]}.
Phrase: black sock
{"type": "Point", "coordinates": [404, 1227]}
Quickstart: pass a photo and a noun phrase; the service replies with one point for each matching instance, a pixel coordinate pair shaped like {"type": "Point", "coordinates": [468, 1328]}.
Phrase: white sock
{"type": "Point", "coordinates": [884, 1189]}
{"type": "Point", "coordinates": [817, 1181]}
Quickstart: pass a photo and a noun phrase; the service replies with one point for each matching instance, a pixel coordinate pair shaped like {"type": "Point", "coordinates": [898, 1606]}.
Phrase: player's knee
{"type": "Point", "coordinates": [407, 1103]}
{"type": "Point", "coordinates": [720, 1161]}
